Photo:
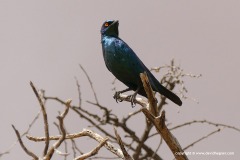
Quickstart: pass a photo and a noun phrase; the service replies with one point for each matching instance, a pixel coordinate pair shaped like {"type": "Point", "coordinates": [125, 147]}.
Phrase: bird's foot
{"type": "Point", "coordinates": [116, 96]}
{"type": "Point", "coordinates": [132, 99]}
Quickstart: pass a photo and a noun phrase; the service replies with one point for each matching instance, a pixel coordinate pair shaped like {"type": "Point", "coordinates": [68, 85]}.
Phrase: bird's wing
{"type": "Point", "coordinates": [134, 60]}
{"type": "Point", "coordinates": [139, 67]}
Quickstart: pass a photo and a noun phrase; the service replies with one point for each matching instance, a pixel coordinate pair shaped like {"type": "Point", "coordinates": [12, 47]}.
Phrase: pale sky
{"type": "Point", "coordinates": [44, 41]}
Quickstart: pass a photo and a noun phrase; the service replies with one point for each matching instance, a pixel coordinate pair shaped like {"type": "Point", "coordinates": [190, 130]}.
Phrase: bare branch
{"type": "Point", "coordinates": [93, 90]}
{"type": "Point", "coordinates": [44, 118]}
{"type": "Point", "coordinates": [77, 109]}
{"type": "Point", "coordinates": [91, 84]}
{"type": "Point", "coordinates": [85, 132]}
{"type": "Point", "coordinates": [61, 126]}
{"type": "Point", "coordinates": [106, 117]}
{"type": "Point", "coordinates": [148, 89]}
{"type": "Point", "coordinates": [74, 148]}
{"type": "Point", "coordinates": [130, 115]}
{"type": "Point", "coordinates": [23, 146]}
{"type": "Point", "coordinates": [142, 140]}
{"type": "Point", "coordinates": [173, 144]}
{"type": "Point", "coordinates": [93, 152]}
{"type": "Point", "coordinates": [119, 140]}
{"type": "Point", "coordinates": [207, 122]}
{"type": "Point", "coordinates": [65, 154]}
{"type": "Point", "coordinates": [79, 92]}
{"type": "Point", "coordinates": [202, 138]}
{"type": "Point", "coordinates": [160, 143]}
{"type": "Point", "coordinates": [23, 134]}
{"type": "Point", "coordinates": [159, 122]}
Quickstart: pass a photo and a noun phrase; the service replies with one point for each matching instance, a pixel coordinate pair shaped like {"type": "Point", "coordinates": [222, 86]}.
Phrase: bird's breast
{"type": "Point", "coordinates": [121, 61]}
{"type": "Point", "coordinates": [113, 58]}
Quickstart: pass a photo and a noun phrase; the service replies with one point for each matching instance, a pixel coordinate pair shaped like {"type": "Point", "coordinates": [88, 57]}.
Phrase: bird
{"type": "Point", "coordinates": [126, 66]}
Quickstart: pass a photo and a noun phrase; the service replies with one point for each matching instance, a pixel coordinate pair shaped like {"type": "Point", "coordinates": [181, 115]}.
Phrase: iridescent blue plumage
{"type": "Point", "coordinates": [125, 65]}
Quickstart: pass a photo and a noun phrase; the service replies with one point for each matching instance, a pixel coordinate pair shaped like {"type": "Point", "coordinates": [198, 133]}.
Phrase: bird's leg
{"type": "Point", "coordinates": [117, 94]}
{"type": "Point", "coordinates": [133, 97]}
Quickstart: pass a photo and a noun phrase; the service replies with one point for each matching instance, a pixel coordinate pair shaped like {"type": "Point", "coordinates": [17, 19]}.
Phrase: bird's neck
{"type": "Point", "coordinates": [107, 38]}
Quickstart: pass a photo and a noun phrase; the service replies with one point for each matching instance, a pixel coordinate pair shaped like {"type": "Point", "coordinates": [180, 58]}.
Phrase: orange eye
{"type": "Point", "coordinates": [106, 24]}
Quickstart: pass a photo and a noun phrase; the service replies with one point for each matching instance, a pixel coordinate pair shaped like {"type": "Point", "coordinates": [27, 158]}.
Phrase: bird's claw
{"type": "Point", "coordinates": [132, 99]}
{"type": "Point", "coordinates": [116, 96]}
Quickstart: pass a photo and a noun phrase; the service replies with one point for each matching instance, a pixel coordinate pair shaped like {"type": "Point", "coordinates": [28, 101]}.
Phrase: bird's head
{"type": "Point", "coordinates": [110, 28]}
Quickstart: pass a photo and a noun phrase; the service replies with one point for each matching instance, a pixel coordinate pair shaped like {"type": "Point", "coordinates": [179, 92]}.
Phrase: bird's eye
{"type": "Point", "coordinates": [106, 24]}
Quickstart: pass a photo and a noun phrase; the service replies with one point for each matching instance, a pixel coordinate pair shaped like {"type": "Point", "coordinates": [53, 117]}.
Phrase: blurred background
{"type": "Point", "coordinates": [45, 41]}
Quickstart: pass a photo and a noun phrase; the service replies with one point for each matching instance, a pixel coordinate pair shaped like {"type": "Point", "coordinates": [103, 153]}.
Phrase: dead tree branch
{"type": "Point", "coordinates": [46, 129]}
{"type": "Point", "coordinates": [151, 97]}
{"type": "Point", "coordinates": [62, 129]}
{"type": "Point", "coordinates": [93, 152]}
{"type": "Point", "coordinates": [22, 135]}
{"type": "Point", "coordinates": [173, 144]}
{"type": "Point", "coordinates": [207, 122]}
{"type": "Point", "coordinates": [85, 132]}
{"type": "Point", "coordinates": [100, 117]}
{"type": "Point", "coordinates": [119, 140]}
{"type": "Point", "coordinates": [200, 139]}
{"type": "Point", "coordinates": [159, 122]}
{"type": "Point", "coordinates": [23, 146]}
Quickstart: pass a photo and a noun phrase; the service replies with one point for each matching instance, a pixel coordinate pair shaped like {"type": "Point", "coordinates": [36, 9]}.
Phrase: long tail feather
{"type": "Point", "coordinates": [164, 91]}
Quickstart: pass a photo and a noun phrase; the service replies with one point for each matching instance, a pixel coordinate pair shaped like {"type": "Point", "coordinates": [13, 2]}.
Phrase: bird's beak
{"type": "Point", "coordinates": [115, 22]}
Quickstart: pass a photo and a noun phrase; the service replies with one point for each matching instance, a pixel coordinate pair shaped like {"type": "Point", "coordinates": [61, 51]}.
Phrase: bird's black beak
{"type": "Point", "coordinates": [115, 23]}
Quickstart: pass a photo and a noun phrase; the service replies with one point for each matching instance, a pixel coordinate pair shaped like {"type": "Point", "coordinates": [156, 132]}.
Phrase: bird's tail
{"type": "Point", "coordinates": [164, 91]}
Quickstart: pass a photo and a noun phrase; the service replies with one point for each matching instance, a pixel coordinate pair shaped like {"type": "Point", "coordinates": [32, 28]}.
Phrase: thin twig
{"type": "Point", "coordinates": [23, 134]}
{"type": "Point", "coordinates": [91, 84]}
{"type": "Point", "coordinates": [119, 140]}
{"type": "Point", "coordinates": [93, 152]}
{"type": "Point", "coordinates": [159, 145]}
{"type": "Point", "coordinates": [208, 122]}
{"type": "Point", "coordinates": [85, 132]}
{"type": "Point", "coordinates": [23, 146]}
{"type": "Point", "coordinates": [79, 92]}
{"type": "Point", "coordinates": [74, 148]}
{"type": "Point", "coordinates": [46, 129]}
{"type": "Point", "coordinates": [61, 126]}
{"type": "Point", "coordinates": [130, 115]}
{"type": "Point", "coordinates": [65, 144]}
{"type": "Point", "coordinates": [202, 138]}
